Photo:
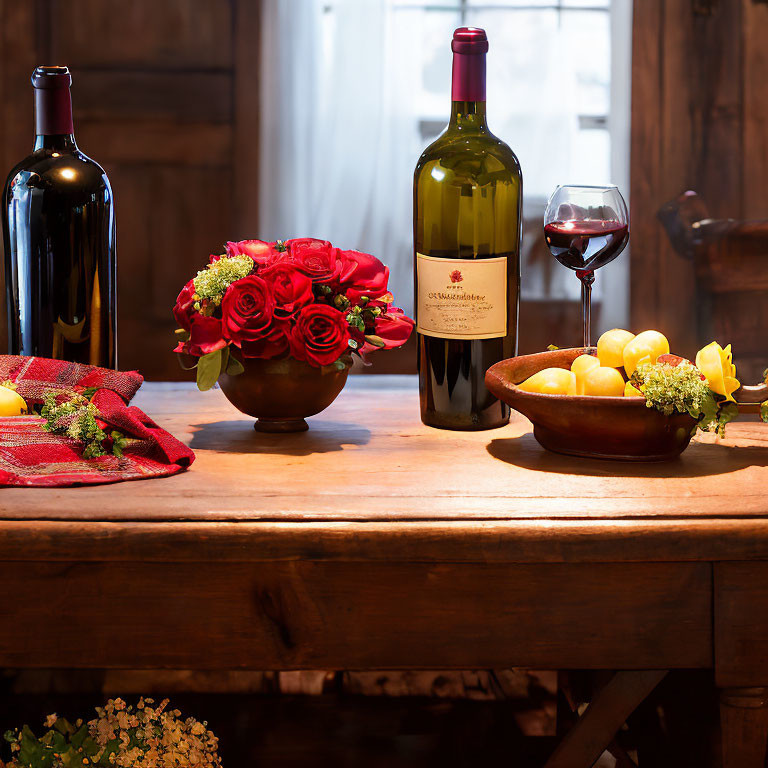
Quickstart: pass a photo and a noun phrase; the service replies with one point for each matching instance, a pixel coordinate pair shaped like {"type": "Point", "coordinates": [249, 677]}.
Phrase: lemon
{"type": "Point", "coordinates": [551, 381]}
{"type": "Point", "coordinates": [610, 347]}
{"type": "Point", "coordinates": [11, 403]}
{"type": "Point", "coordinates": [604, 382]}
{"type": "Point", "coordinates": [581, 366]}
{"type": "Point", "coordinates": [644, 348]}
{"type": "Point", "coordinates": [630, 391]}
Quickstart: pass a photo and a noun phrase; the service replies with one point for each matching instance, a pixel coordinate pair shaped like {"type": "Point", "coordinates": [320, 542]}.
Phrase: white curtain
{"type": "Point", "coordinates": [345, 85]}
{"type": "Point", "coordinates": [334, 122]}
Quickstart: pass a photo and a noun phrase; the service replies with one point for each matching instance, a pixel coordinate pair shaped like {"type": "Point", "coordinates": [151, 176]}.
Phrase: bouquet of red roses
{"type": "Point", "coordinates": [301, 298]}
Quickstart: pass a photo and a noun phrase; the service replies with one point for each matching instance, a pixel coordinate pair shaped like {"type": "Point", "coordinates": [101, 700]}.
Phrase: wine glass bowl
{"type": "Point", "coordinates": [585, 228]}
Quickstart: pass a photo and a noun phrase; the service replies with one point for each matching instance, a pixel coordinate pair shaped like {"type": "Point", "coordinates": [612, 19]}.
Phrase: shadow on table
{"type": "Point", "coordinates": [239, 436]}
{"type": "Point", "coordinates": [699, 460]}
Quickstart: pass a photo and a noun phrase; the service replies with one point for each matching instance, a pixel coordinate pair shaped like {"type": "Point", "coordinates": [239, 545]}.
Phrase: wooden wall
{"type": "Point", "coordinates": [699, 122]}
{"type": "Point", "coordinates": [165, 99]}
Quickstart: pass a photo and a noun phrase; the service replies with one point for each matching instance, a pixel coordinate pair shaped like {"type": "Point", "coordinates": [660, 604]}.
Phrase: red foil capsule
{"type": "Point", "coordinates": [469, 46]}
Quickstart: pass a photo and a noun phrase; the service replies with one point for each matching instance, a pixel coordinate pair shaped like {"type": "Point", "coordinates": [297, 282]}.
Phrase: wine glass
{"type": "Point", "coordinates": [585, 228]}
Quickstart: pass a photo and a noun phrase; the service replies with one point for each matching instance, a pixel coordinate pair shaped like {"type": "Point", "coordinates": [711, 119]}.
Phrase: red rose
{"type": "Point", "coordinates": [205, 333]}
{"type": "Point", "coordinates": [204, 336]}
{"type": "Point", "coordinates": [320, 335]}
{"type": "Point", "coordinates": [317, 259]}
{"type": "Point", "coordinates": [272, 345]}
{"type": "Point", "coordinates": [394, 327]}
{"type": "Point", "coordinates": [247, 310]}
{"type": "Point", "coordinates": [261, 252]}
{"type": "Point", "coordinates": [362, 275]}
{"type": "Point", "coordinates": [290, 288]}
{"type": "Point", "coordinates": [185, 305]}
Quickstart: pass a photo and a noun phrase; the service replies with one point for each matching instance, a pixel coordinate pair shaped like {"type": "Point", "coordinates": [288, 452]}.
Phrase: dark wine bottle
{"type": "Point", "coordinates": [59, 235]}
{"type": "Point", "coordinates": [467, 226]}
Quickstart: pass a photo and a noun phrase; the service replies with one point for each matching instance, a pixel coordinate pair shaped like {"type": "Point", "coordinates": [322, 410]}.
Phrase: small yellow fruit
{"type": "Point", "coordinates": [551, 381]}
{"type": "Point", "coordinates": [644, 348]}
{"type": "Point", "coordinates": [717, 365]}
{"type": "Point", "coordinates": [11, 403]}
{"type": "Point", "coordinates": [610, 347]}
{"type": "Point", "coordinates": [630, 391]}
{"type": "Point", "coordinates": [604, 382]}
{"type": "Point", "coordinates": [581, 366]}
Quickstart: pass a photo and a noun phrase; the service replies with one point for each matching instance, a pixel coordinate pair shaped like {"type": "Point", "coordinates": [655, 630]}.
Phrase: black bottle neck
{"type": "Point", "coordinates": [53, 119]}
{"type": "Point", "coordinates": [64, 142]}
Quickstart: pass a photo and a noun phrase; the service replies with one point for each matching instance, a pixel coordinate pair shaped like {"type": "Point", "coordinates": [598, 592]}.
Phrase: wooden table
{"type": "Point", "coordinates": [372, 541]}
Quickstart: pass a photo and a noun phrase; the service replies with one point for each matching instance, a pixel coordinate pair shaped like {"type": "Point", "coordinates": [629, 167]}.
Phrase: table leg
{"type": "Point", "coordinates": [607, 712]}
{"type": "Point", "coordinates": [744, 724]}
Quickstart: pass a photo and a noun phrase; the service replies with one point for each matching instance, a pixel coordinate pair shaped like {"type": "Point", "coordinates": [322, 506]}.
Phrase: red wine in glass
{"type": "Point", "coordinates": [585, 228]}
{"type": "Point", "coordinates": [586, 245]}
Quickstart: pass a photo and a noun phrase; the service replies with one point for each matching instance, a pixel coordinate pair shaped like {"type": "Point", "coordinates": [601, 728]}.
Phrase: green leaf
{"type": "Point", "coordinates": [764, 411]}
{"type": "Point", "coordinates": [552, 348]}
{"type": "Point", "coordinates": [234, 366]}
{"type": "Point", "coordinates": [79, 736]}
{"type": "Point", "coordinates": [208, 370]}
{"type": "Point", "coordinates": [112, 747]}
{"type": "Point", "coordinates": [728, 412]}
{"type": "Point", "coordinates": [377, 341]}
{"type": "Point", "coordinates": [90, 747]}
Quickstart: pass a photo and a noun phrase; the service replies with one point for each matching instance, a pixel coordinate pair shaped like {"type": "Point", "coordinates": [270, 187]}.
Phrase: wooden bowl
{"type": "Point", "coordinates": [596, 427]}
{"type": "Point", "coordinates": [282, 393]}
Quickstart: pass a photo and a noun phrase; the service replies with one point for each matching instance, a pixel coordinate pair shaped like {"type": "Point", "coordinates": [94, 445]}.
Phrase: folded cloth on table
{"type": "Point", "coordinates": [30, 456]}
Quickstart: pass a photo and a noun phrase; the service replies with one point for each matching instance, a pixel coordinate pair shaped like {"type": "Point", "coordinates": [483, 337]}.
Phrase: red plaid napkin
{"type": "Point", "coordinates": [30, 456]}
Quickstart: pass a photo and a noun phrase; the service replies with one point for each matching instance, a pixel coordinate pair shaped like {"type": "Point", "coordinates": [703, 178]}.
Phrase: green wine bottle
{"type": "Point", "coordinates": [467, 193]}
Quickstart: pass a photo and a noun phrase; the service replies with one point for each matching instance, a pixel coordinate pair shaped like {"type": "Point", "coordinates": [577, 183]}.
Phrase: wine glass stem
{"type": "Point", "coordinates": [587, 278]}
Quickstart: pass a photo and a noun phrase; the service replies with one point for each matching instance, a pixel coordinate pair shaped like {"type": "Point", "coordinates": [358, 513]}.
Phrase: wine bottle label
{"type": "Point", "coordinates": [461, 298]}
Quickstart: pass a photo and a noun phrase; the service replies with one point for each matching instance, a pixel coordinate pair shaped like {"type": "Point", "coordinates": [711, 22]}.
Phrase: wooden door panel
{"type": "Point", "coordinates": [115, 142]}
{"type": "Point", "coordinates": [154, 97]}
{"type": "Point", "coordinates": [184, 97]}
{"type": "Point", "coordinates": [142, 34]}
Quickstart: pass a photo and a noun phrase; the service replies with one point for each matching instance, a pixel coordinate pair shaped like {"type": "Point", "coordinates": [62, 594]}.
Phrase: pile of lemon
{"type": "Point", "coordinates": [601, 376]}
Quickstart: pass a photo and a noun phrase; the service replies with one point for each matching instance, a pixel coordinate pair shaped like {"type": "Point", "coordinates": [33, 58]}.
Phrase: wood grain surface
{"type": "Point", "coordinates": [368, 458]}
{"type": "Point", "coordinates": [306, 615]}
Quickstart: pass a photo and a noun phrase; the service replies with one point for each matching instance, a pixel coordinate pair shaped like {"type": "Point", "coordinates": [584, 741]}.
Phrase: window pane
{"type": "Point", "coordinates": [435, 4]}
{"type": "Point", "coordinates": [587, 36]}
{"type": "Point", "coordinates": [502, 5]}
{"type": "Point", "coordinates": [431, 60]}
{"type": "Point", "coordinates": [546, 69]}
{"type": "Point", "coordinates": [587, 3]}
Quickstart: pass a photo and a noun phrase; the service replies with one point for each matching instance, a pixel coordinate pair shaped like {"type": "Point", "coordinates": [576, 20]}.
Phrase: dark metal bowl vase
{"type": "Point", "coordinates": [281, 393]}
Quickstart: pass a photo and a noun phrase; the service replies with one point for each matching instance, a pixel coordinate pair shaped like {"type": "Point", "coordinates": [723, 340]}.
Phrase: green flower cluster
{"type": "Point", "coordinates": [669, 388]}
{"type": "Point", "coordinates": [212, 282]}
{"type": "Point", "coordinates": [76, 418]}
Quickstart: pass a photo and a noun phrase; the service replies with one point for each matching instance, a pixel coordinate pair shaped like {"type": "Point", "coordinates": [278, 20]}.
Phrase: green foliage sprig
{"type": "Point", "coordinates": [669, 388]}
{"type": "Point", "coordinates": [77, 418]}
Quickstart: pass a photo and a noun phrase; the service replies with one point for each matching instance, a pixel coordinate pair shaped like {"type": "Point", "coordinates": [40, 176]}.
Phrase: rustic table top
{"type": "Point", "coordinates": [368, 467]}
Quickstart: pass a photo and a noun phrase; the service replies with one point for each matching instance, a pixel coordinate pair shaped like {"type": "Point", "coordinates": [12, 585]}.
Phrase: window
{"type": "Point", "coordinates": [549, 82]}
{"type": "Point", "coordinates": [353, 91]}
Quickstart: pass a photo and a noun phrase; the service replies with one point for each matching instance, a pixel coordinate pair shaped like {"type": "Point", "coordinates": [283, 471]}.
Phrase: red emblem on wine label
{"type": "Point", "coordinates": [456, 276]}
